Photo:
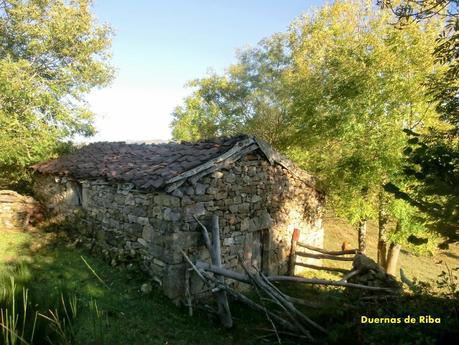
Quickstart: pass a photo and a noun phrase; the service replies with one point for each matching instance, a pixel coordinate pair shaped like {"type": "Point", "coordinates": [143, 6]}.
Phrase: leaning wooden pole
{"type": "Point", "coordinates": [222, 299]}
{"type": "Point", "coordinates": [329, 252]}
{"type": "Point", "coordinates": [257, 282]}
{"type": "Point", "coordinates": [324, 256]}
{"type": "Point", "coordinates": [322, 268]}
{"type": "Point", "coordinates": [215, 257]}
{"type": "Point", "coordinates": [245, 279]}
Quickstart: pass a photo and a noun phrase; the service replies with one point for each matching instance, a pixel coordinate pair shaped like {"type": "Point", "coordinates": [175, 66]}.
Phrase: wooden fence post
{"type": "Point", "coordinates": [216, 258]}
{"type": "Point", "coordinates": [291, 265]}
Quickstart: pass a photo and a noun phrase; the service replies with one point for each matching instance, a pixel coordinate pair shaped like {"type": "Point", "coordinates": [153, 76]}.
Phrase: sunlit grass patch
{"type": "Point", "coordinates": [14, 247]}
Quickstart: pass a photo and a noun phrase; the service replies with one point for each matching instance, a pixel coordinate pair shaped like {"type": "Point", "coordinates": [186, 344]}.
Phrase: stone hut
{"type": "Point", "coordinates": [137, 202]}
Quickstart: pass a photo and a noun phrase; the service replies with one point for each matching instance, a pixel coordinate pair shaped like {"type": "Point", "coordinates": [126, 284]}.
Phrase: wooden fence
{"type": "Point", "coordinates": [296, 251]}
{"type": "Point", "coordinates": [286, 315]}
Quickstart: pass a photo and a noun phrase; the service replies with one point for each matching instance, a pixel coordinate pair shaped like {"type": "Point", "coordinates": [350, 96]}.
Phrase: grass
{"type": "Point", "coordinates": [51, 269]}
{"type": "Point", "coordinates": [101, 304]}
{"type": "Point", "coordinates": [424, 267]}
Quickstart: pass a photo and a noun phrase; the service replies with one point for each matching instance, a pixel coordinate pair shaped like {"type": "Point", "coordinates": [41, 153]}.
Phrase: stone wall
{"type": "Point", "coordinates": [16, 210]}
{"type": "Point", "coordinates": [257, 204]}
{"type": "Point", "coordinates": [57, 194]}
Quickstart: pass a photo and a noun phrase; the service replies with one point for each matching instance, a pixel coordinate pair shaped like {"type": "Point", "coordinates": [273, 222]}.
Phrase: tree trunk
{"type": "Point", "coordinates": [393, 254]}
{"type": "Point", "coordinates": [383, 220]}
{"type": "Point", "coordinates": [392, 258]}
{"type": "Point", "coordinates": [363, 236]}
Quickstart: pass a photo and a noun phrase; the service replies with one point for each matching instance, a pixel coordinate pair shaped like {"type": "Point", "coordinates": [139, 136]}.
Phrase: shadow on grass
{"type": "Point", "coordinates": [451, 255]}
{"type": "Point", "coordinates": [112, 310]}
{"type": "Point", "coordinates": [342, 310]}
{"type": "Point", "coordinates": [53, 270]}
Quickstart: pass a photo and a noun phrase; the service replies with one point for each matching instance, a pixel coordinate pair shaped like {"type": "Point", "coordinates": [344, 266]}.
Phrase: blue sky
{"type": "Point", "coordinates": [159, 45]}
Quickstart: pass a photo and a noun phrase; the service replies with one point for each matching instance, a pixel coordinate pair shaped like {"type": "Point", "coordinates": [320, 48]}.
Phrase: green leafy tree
{"type": "Point", "coordinates": [250, 97]}
{"type": "Point", "coordinates": [432, 158]}
{"type": "Point", "coordinates": [52, 53]}
{"type": "Point", "coordinates": [346, 86]}
{"type": "Point", "coordinates": [357, 84]}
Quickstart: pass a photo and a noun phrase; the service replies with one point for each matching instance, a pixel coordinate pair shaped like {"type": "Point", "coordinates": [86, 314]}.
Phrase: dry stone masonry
{"type": "Point", "coordinates": [16, 210]}
{"type": "Point", "coordinates": [258, 197]}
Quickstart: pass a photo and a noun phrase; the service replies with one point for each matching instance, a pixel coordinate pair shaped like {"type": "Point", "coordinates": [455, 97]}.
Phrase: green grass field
{"type": "Point", "coordinates": [49, 268]}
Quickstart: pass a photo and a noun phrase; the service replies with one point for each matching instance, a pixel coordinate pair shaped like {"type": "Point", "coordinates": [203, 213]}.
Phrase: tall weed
{"type": "Point", "coordinates": [20, 324]}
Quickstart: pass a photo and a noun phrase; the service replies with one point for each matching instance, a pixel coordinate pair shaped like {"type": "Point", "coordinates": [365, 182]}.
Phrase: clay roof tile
{"type": "Point", "coordinates": [144, 165]}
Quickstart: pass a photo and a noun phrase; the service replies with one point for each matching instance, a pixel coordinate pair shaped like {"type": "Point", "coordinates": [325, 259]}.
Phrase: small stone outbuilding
{"type": "Point", "coordinates": [136, 202]}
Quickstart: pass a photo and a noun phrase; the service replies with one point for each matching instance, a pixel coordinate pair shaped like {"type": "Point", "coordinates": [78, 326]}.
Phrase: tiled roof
{"type": "Point", "coordinates": [150, 166]}
{"type": "Point", "coordinates": [144, 165]}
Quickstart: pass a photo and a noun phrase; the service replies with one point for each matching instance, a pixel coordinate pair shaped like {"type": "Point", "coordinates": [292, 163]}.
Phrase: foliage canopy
{"type": "Point", "coordinates": [432, 157]}
{"type": "Point", "coordinates": [335, 93]}
{"type": "Point", "coordinates": [52, 53]}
